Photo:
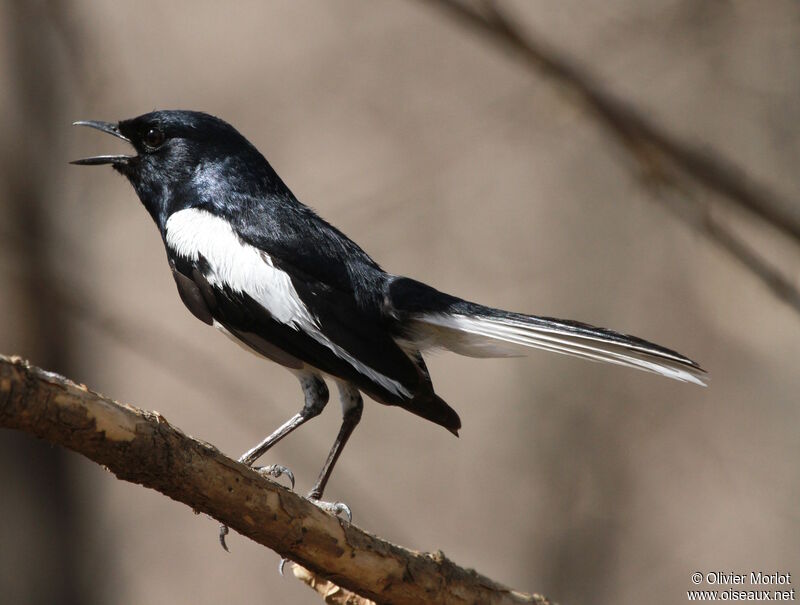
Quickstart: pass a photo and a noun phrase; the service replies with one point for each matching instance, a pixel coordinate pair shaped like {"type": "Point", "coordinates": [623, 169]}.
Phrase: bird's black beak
{"type": "Point", "coordinates": [116, 160]}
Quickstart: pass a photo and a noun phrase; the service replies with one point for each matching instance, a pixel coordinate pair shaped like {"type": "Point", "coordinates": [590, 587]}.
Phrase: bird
{"type": "Point", "coordinates": [251, 260]}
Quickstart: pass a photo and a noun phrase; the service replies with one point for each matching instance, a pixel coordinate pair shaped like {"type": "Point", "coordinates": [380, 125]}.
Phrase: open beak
{"type": "Point", "coordinates": [104, 159]}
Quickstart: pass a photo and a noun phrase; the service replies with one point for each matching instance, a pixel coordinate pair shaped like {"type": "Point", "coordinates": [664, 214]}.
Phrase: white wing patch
{"type": "Point", "coordinates": [246, 269]}
{"type": "Point", "coordinates": [240, 266]}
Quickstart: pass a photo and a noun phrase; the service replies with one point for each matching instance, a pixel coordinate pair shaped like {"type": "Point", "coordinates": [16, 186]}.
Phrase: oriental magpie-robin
{"type": "Point", "coordinates": [251, 260]}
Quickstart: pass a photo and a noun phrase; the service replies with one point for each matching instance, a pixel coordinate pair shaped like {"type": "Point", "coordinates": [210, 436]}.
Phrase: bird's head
{"type": "Point", "coordinates": [183, 158]}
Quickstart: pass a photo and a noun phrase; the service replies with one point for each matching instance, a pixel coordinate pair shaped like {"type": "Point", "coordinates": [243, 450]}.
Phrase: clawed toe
{"type": "Point", "coordinates": [223, 531]}
{"type": "Point", "coordinates": [275, 471]}
{"type": "Point", "coordinates": [337, 509]}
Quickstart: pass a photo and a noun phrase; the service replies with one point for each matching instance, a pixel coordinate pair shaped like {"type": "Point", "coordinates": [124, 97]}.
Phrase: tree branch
{"type": "Point", "coordinates": [664, 160]}
{"type": "Point", "coordinates": [142, 447]}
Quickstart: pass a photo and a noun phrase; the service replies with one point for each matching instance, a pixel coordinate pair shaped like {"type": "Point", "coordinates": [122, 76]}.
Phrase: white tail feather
{"type": "Point", "coordinates": [487, 336]}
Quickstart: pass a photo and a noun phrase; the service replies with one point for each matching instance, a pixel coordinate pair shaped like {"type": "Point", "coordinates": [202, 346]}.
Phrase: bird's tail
{"type": "Point", "coordinates": [433, 319]}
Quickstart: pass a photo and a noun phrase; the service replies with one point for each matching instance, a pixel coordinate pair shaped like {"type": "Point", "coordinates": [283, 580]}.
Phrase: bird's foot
{"type": "Point", "coordinates": [337, 509]}
{"type": "Point", "coordinates": [273, 470]}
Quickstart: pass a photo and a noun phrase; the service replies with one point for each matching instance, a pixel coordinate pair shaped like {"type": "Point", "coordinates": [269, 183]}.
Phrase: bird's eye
{"type": "Point", "coordinates": [154, 138]}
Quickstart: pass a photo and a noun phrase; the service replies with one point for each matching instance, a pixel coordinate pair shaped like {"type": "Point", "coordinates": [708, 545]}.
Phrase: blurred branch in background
{"type": "Point", "coordinates": [141, 447]}
{"type": "Point", "coordinates": [678, 173]}
{"type": "Point", "coordinates": [42, 63]}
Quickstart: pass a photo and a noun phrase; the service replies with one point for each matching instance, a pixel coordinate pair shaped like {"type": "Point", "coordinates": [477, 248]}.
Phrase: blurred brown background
{"type": "Point", "coordinates": [452, 162]}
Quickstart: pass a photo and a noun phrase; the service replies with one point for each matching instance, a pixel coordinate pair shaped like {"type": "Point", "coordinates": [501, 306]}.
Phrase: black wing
{"type": "Point", "coordinates": [311, 249]}
{"type": "Point", "coordinates": [315, 300]}
{"type": "Point", "coordinates": [343, 343]}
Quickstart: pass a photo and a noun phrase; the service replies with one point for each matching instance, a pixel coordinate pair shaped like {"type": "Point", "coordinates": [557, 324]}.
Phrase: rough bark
{"type": "Point", "coordinates": [142, 447]}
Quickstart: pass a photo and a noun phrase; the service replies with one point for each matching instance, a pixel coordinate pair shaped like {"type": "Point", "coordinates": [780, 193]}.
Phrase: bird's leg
{"type": "Point", "coordinates": [274, 470]}
{"type": "Point", "coordinates": [352, 406]}
{"type": "Point", "coordinates": [316, 397]}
